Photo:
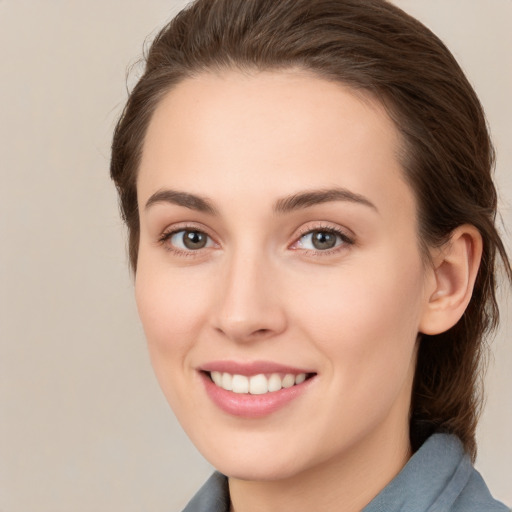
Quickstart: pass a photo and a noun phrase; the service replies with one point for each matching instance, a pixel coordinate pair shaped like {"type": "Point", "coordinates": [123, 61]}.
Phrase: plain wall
{"type": "Point", "coordinates": [83, 424]}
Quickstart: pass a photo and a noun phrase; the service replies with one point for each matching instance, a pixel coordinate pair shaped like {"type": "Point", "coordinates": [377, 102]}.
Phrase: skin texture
{"type": "Point", "coordinates": [260, 291]}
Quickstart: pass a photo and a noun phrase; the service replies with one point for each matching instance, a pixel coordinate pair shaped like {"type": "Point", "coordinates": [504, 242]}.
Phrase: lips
{"type": "Point", "coordinates": [255, 389]}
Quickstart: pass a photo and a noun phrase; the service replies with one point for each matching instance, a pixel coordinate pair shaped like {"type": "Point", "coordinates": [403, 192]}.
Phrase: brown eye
{"type": "Point", "coordinates": [190, 240]}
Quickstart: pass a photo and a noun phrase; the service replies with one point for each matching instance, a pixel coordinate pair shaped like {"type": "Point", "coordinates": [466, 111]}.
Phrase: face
{"type": "Point", "coordinates": [279, 279]}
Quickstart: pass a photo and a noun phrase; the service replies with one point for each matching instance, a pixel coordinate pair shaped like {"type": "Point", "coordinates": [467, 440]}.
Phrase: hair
{"type": "Point", "coordinates": [446, 155]}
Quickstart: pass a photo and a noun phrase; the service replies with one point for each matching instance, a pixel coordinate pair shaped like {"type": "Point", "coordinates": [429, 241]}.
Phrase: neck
{"type": "Point", "coordinates": [346, 484]}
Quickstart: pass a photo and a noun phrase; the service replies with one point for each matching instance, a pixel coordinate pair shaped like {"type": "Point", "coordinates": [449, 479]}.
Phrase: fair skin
{"type": "Point", "coordinates": [332, 284]}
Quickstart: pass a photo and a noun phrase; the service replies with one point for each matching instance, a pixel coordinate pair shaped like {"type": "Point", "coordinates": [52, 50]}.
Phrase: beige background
{"type": "Point", "coordinates": [83, 425]}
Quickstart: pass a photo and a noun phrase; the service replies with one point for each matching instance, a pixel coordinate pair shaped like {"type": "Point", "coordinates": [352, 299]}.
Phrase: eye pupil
{"type": "Point", "coordinates": [323, 240]}
{"type": "Point", "coordinates": [194, 239]}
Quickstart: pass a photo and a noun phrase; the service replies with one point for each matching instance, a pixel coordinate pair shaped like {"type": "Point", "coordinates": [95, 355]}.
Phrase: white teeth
{"type": "Point", "coordinates": [300, 378]}
{"type": "Point", "coordinates": [257, 384]}
{"type": "Point", "coordinates": [274, 383]}
{"type": "Point", "coordinates": [227, 380]}
{"type": "Point", "coordinates": [217, 378]}
{"type": "Point", "coordinates": [288, 381]}
{"type": "Point", "coordinates": [240, 384]}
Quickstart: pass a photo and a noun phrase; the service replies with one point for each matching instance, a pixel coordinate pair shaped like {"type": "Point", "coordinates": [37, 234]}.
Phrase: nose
{"type": "Point", "coordinates": [249, 304]}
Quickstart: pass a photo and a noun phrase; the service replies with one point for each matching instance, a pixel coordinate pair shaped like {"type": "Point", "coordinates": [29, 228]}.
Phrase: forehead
{"type": "Point", "coordinates": [269, 131]}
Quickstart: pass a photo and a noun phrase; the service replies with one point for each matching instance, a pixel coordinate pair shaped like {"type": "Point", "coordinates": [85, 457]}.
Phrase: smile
{"type": "Point", "coordinates": [256, 384]}
{"type": "Point", "coordinates": [256, 389]}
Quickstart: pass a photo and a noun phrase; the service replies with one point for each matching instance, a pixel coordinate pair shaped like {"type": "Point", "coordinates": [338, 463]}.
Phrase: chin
{"type": "Point", "coordinates": [252, 461]}
{"type": "Point", "coordinates": [270, 470]}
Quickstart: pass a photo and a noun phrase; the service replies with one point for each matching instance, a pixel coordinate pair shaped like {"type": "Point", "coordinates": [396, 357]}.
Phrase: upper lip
{"type": "Point", "coordinates": [250, 368]}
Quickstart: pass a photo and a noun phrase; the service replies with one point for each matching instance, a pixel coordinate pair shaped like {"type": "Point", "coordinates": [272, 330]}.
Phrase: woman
{"type": "Point", "coordinates": [307, 187]}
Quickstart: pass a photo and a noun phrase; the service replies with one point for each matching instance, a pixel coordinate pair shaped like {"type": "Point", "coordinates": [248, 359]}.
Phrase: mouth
{"type": "Point", "coordinates": [259, 384]}
{"type": "Point", "coordinates": [254, 389]}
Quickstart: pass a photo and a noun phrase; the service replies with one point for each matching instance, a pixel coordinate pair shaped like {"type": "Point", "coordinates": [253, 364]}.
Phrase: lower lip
{"type": "Point", "coordinates": [252, 406]}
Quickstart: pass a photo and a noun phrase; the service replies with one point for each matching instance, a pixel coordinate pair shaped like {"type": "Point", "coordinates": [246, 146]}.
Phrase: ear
{"type": "Point", "coordinates": [455, 267]}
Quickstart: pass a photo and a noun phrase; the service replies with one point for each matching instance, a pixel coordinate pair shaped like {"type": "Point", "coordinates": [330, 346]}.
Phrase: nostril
{"type": "Point", "coordinates": [261, 332]}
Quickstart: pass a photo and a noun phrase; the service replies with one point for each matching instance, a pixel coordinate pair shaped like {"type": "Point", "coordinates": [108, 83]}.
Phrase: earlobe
{"type": "Point", "coordinates": [454, 274]}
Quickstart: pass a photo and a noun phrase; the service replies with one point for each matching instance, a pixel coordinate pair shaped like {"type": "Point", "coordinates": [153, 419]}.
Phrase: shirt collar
{"type": "Point", "coordinates": [432, 479]}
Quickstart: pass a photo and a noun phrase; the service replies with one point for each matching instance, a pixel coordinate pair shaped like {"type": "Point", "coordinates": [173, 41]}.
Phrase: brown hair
{"type": "Point", "coordinates": [447, 154]}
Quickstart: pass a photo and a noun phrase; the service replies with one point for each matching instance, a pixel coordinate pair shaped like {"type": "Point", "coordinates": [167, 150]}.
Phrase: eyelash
{"type": "Point", "coordinates": [345, 239]}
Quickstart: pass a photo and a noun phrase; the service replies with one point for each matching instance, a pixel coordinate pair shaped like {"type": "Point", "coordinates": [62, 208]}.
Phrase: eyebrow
{"type": "Point", "coordinates": [313, 197]}
{"type": "Point", "coordinates": [284, 205]}
{"type": "Point", "coordinates": [191, 201]}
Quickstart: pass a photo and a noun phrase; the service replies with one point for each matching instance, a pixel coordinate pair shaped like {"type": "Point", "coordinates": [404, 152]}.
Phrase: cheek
{"type": "Point", "coordinates": [358, 299]}
{"type": "Point", "coordinates": [171, 307]}
{"type": "Point", "coordinates": [366, 321]}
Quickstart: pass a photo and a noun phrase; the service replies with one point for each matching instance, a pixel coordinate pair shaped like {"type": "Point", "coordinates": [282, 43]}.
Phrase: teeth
{"type": "Point", "coordinates": [257, 384]}
{"type": "Point", "coordinates": [288, 381]}
{"type": "Point", "coordinates": [240, 384]}
{"type": "Point", "coordinates": [217, 378]}
{"type": "Point", "coordinates": [274, 383]}
{"type": "Point", "coordinates": [226, 382]}
{"type": "Point", "coordinates": [300, 378]}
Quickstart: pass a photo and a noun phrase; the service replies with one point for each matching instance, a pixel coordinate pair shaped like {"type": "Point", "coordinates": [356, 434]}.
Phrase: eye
{"type": "Point", "coordinates": [322, 240]}
{"type": "Point", "coordinates": [188, 240]}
